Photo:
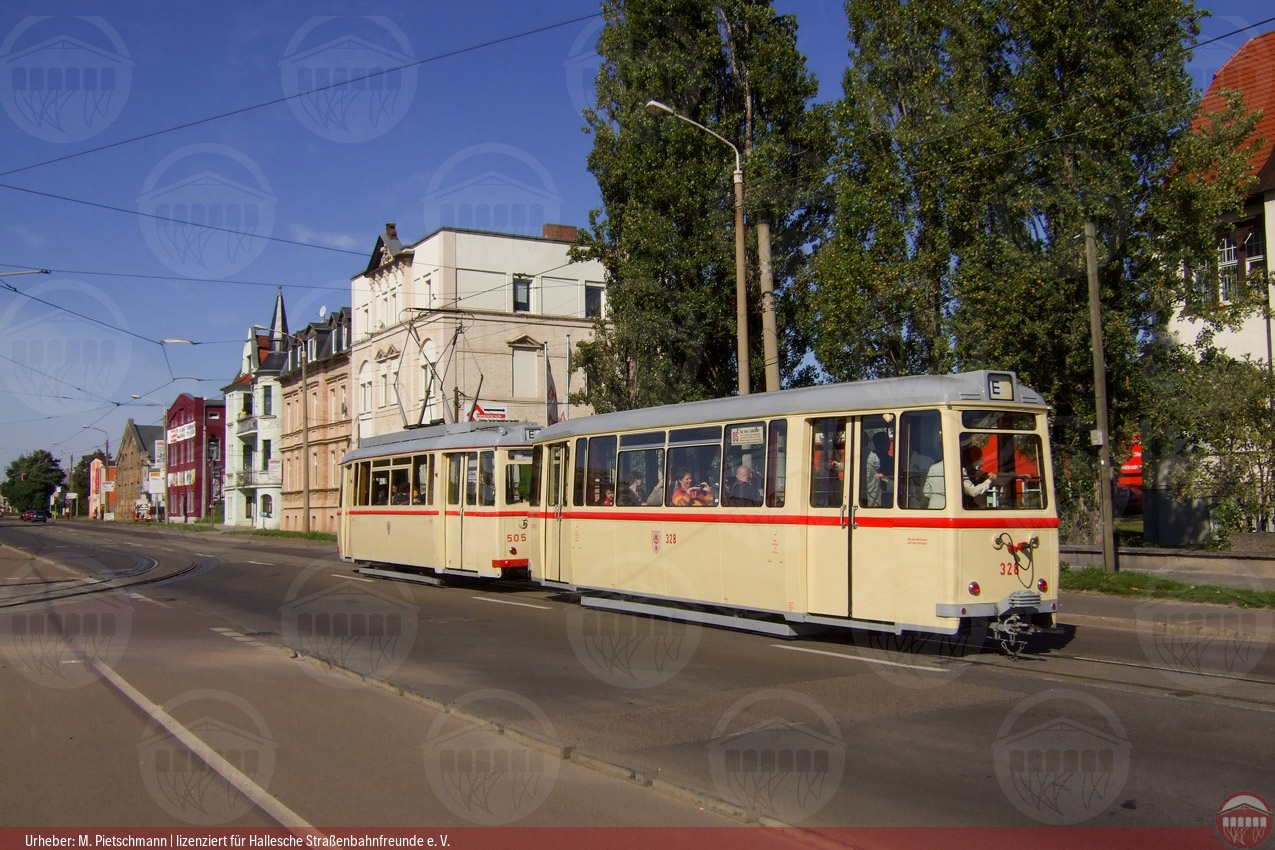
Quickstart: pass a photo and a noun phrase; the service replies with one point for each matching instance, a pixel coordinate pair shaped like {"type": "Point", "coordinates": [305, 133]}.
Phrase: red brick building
{"type": "Point", "coordinates": [195, 440]}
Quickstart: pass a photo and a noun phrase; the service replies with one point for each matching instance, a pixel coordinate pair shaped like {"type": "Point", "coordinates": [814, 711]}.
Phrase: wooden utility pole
{"type": "Point", "coordinates": [1101, 436]}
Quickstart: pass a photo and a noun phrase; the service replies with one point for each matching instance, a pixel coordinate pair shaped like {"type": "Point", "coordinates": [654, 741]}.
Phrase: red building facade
{"type": "Point", "coordinates": [195, 440]}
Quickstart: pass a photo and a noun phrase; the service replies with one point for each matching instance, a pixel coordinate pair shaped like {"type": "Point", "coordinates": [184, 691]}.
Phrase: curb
{"type": "Point", "coordinates": [1185, 629]}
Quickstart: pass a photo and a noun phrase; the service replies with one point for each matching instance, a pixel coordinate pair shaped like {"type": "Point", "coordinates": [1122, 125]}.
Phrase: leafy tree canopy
{"type": "Point", "coordinates": [31, 480]}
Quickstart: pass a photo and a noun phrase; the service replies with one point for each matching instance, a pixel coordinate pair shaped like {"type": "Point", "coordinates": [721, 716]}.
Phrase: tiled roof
{"type": "Point", "coordinates": [1252, 71]}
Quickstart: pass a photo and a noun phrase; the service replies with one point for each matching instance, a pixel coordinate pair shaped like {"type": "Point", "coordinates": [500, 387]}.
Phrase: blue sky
{"type": "Point", "coordinates": [323, 172]}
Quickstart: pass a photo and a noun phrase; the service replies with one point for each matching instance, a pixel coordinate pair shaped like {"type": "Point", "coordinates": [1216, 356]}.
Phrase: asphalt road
{"type": "Point", "coordinates": [660, 723]}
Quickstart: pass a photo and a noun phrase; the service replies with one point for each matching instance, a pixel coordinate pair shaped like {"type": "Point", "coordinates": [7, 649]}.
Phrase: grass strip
{"type": "Point", "coordinates": [1148, 586]}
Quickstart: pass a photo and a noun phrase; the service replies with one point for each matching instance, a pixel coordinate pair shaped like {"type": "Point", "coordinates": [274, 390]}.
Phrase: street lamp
{"type": "Point", "coordinates": [654, 108]}
{"type": "Point", "coordinates": [104, 434]}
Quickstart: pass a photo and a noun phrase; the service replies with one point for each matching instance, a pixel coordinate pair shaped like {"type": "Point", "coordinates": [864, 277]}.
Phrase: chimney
{"type": "Point", "coordinates": [391, 230]}
{"type": "Point", "coordinates": [559, 232]}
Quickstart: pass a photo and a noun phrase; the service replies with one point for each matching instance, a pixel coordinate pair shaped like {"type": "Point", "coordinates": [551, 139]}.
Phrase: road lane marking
{"type": "Point", "coordinates": [262, 563]}
{"type": "Point", "coordinates": [281, 814]}
{"type": "Point", "coordinates": [353, 578]}
{"type": "Point", "coordinates": [507, 602]}
{"type": "Point", "coordinates": [148, 599]}
{"type": "Point", "coordinates": [858, 658]}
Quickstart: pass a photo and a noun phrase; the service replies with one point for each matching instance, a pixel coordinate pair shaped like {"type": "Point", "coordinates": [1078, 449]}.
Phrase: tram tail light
{"type": "Point", "coordinates": [513, 550]}
{"type": "Point", "coordinates": [1042, 585]}
{"type": "Point", "coordinates": [975, 590]}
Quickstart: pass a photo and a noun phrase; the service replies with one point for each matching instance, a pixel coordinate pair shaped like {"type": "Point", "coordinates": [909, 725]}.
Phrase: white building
{"type": "Point", "coordinates": [254, 472]}
{"type": "Point", "coordinates": [468, 324]}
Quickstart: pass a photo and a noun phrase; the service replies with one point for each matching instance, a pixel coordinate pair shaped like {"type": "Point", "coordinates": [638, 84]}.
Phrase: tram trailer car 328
{"type": "Point", "coordinates": [907, 504]}
{"type": "Point", "coordinates": [444, 499]}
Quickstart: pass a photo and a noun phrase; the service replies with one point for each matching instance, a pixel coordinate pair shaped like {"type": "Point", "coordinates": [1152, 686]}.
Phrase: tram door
{"type": "Point", "coordinates": [458, 472]}
{"type": "Point", "coordinates": [557, 546]}
{"type": "Point", "coordinates": [829, 516]}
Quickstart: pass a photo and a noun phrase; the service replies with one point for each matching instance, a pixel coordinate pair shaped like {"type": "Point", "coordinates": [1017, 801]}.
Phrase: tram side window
{"type": "Point", "coordinates": [693, 476]}
{"type": "Point", "coordinates": [920, 466]}
{"type": "Point", "coordinates": [537, 466]}
{"type": "Point", "coordinates": [745, 466]}
{"type": "Point", "coordinates": [776, 463]}
{"type": "Point", "coordinates": [455, 466]}
{"type": "Point", "coordinates": [486, 478]}
{"type": "Point", "coordinates": [600, 488]}
{"type": "Point", "coordinates": [641, 477]}
{"type": "Point", "coordinates": [827, 462]}
{"type": "Point", "coordinates": [580, 469]}
{"type": "Point", "coordinates": [1001, 472]}
{"type": "Point", "coordinates": [518, 476]}
{"type": "Point", "coordinates": [423, 480]}
{"type": "Point", "coordinates": [380, 486]}
{"type": "Point", "coordinates": [363, 483]}
{"type": "Point", "coordinates": [400, 485]}
{"type": "Point", "coordinates": [876, 462]}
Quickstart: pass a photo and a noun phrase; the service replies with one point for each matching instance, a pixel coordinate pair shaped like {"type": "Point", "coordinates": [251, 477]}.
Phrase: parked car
{"type": "Point", "coordinates": [39, 516]}
{"type": "Point", "coordinates": [28, 515]}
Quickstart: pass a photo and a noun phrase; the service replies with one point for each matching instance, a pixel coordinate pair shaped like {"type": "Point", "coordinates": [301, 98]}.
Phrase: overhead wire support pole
{"type": "Point", "coordinates": [1102, 435]}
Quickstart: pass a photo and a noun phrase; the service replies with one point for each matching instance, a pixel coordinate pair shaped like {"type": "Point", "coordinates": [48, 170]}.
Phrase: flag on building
{"type": "Point", "coordinates": [551, 392]}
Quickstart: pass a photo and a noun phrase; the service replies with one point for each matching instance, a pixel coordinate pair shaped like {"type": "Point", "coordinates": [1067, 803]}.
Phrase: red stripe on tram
{"type": "Point", "coordinates": [808, 520]}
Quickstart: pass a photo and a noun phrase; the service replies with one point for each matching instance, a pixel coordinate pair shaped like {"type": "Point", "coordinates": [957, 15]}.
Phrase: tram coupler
{"type": "Point", "coordinates": [1011, 632]}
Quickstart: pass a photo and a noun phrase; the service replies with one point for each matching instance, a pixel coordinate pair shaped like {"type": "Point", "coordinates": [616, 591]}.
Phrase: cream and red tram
{"type": "Point", "coordinates": [907, 504]}
{"type": "Point", "coordinates": [445, 499]}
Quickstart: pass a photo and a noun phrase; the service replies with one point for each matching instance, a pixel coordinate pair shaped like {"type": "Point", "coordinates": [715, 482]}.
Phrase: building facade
{"type": "Point", "coordinates": [319, 433]}
{"type": "Point", "coordinates": [101, 489]}
{"type": "Point", "coordinates": [135, 462]}
{"type": "Point", "coordinates": [194, 440]}
{"type": "Point", "coordinates": [254, 465]}
{"type": "Point", "coordinates": [467, 324]}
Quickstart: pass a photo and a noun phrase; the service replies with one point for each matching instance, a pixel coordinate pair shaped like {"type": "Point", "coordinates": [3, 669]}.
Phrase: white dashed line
{"type": "Point", "coordinates": [858, 658]}
{"type": "Point", "coordinates": [507, 602]}
{"type": "Point", "coordinates": [262, 563]}
{"type": "Point", "coordinates": [352, 578]}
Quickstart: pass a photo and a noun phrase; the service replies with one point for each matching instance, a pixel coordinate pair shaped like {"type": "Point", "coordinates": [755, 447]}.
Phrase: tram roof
{"type": "Point", "coordinates": [882, 394]}
{"type": "Point", "coordinates": [446, 436]}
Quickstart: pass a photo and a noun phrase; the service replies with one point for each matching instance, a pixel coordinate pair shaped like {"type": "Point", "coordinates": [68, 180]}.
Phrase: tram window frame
{"type": "Point", "coordinates": [537, 468]}
{"type": "Point", "coordinates": [651, 439]}
{"type": "Point", "coordinates": [363, 483]}
{"type": "Point", "coordinates": [695, 436]}
{"type": "Point", "coordinates": [704, 463]}
{"type": "Point", "coordinates": [401, 483]}
{"type": "Point", "coordinates": [776, 463]}
{"type": "Point", "coordinates": [455, 472]}
{"type": "Point", "coordinates": [518, 476]}
{"type": "Point", "coordinates": [485, 480]}
{"type": "Point", "coordinates": [649, 464]}
{"type": "Point", "coordinates": [869, 428]}
{"type": "Point", "coordinates": [998, 420]}
{"type": "Point", "coordinates": [601, 471]}
{"type": "Point", "coordinates": [918, 435]}
{"type": "Point", "coordinates": [737, 453]}
{"type": "Point", "coordinates": [380, 485]}
{"type": "Point", "coordinates": [422, 480]}
{"type": "Point", "coordinates": [827, 481]}
{"type": "Point", "coordinates": [578, 481]}
{"type": "Point", "coordinates": [1014, 450]}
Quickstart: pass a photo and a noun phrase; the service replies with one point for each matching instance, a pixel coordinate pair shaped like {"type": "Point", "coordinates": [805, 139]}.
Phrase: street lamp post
{"type": "Point", "coordinates": [654, 108]}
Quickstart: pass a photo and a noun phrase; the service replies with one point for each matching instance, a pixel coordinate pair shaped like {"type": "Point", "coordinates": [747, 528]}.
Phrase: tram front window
{"type": "Point", "coordinates": [1002, 471]}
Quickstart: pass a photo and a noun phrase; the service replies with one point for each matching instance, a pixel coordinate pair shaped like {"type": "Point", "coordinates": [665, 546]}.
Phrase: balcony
{"type": "Point", "coordinates": [246, 427]}
{"type": "Point", "coordinates": [261, 478]}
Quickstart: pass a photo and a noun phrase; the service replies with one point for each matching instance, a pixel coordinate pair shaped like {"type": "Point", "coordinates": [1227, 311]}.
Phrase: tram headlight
{"type": "Point", "coordinates": [975, 590]}
{"type": "Point", "coordinates": [1042, 585]}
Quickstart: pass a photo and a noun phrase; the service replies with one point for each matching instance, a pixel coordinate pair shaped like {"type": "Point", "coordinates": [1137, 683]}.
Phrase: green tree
{"type": "Point", "coordinates": [80, 479]}
{"type": "Point", "coordinates": [975, 140]}
{"type": "Point", "coordinates": [666, 235]}
{"type": "Point", "coordinates": [31, 479]}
